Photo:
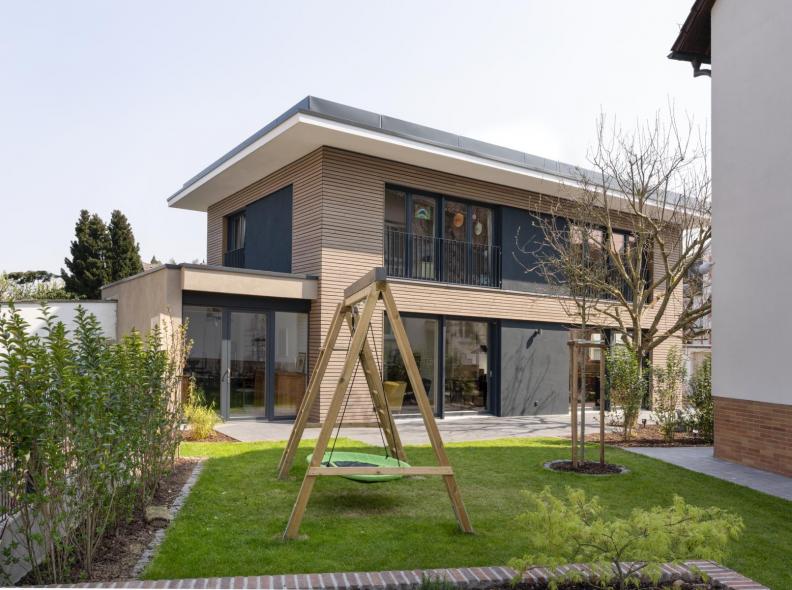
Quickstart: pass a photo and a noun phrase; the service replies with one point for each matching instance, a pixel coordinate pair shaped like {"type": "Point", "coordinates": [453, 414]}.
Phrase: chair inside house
{"type": "Point", "coordinates": [395, 391]}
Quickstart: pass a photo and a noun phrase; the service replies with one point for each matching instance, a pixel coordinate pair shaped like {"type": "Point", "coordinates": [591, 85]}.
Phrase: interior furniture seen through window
{"type": "Point", "coordinates": [423, 336]}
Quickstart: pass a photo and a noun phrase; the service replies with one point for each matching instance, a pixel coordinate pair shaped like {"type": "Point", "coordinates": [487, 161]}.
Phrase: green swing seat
{"type": "Point", "coordinates": [346, 459]}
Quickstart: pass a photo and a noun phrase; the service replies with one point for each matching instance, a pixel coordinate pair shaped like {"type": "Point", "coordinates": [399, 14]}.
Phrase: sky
{"type": "Point", "coordinates": [113, 105]}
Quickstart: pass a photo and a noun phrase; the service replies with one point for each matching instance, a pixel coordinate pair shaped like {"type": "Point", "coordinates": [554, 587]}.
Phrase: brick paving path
{"type": "Point", "coordinates": [474, 578]}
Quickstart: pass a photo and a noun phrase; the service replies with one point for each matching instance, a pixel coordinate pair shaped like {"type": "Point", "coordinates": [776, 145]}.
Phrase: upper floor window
{"type": "Point", "coordinates": [235, 231]}
{"type": "Point", "coordinates": [234, 254]}
{"type": "Point", "coordinates": [436, 238]}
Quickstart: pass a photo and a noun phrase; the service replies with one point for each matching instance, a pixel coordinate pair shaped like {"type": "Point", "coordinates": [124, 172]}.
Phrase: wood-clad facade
{"type": "Point", "coordinates": [338, 211]}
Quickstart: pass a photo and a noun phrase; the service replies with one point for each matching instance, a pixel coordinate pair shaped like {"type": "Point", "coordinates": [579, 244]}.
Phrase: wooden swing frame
{"type": "Point", "coordinates": [368, 290]}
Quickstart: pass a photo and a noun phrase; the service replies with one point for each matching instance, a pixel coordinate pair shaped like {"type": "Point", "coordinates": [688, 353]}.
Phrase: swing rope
{"type": "Point", "coordinates": [385, 399]}
{"type": "Point", "coordinates": [348, 395]}
{"type": "Point", "coordinates": [346, 401]}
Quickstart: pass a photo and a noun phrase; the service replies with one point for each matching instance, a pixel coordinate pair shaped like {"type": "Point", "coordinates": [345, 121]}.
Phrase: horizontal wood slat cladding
{"type": "Point", "coordinates": [353, 203]}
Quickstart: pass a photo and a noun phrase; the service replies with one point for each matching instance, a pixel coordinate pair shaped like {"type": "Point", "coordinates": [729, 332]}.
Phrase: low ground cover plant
{"type": "Point", "coordinates": [88, 428]}
{"type": "Point", "coordinates": [623, 552]}
{"type": "Point", "coordinates": [201, 417]}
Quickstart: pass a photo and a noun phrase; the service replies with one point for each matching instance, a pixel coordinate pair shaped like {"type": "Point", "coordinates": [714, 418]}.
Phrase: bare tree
{"type": "Point", "coordinates": [563, 257]}
{"type": "Point", "coordinates": [617, 251]}
{"type": "Point", "coordinates": [654, 183]}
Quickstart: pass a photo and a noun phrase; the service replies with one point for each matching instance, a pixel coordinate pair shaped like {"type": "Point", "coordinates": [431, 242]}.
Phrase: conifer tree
{"type": "Point", "coordinates": [124, 256]}
{"type": "Point", "coordinates": [88, 267]}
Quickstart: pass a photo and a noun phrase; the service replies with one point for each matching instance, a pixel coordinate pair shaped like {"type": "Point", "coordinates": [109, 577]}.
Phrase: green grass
{"type": "Point", "coordinates": [232, 521]}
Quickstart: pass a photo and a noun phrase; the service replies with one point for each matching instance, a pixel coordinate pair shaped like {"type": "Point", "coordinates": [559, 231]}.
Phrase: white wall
{"type": "Point", "coordinates": [752, 199]}
{"type": "Point", "coordinates": [66, 311]}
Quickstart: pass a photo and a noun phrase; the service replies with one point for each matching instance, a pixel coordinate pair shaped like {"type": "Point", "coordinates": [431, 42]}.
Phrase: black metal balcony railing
{"type": "Point", "coordinates": [234, 258]}
{"type": "Point", "coordinates": [429, 258]}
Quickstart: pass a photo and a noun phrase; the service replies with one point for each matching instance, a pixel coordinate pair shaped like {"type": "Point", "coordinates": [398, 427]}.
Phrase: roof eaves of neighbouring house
{"type": "Point", "coordinates": [693, 42]}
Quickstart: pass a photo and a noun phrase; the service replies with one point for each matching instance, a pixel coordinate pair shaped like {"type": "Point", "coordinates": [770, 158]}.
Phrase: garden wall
{"type": "Point", "coordinates": [65, 311]}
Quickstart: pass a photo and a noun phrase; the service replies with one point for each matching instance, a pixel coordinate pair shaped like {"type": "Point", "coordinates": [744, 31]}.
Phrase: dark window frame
{"type": "Point", "coordinates": [493, 358]}
{"type": "Point", "coordinates": [440, 200]}
{"type": "Point", "coordinates": [230, 220]}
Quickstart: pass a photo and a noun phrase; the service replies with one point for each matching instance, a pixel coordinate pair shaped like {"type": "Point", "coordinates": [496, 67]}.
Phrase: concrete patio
{"type": "Point", "coordinates": [453, 428]}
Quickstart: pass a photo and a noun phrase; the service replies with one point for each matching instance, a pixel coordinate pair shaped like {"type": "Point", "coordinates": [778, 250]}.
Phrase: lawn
{"type": "Point", "coordinates": [232, 521]}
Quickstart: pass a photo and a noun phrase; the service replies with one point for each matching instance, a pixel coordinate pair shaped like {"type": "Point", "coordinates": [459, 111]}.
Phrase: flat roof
{"type": "Point", "coordinates": [332, 120]}
{"type": "Point", "coordinates": [212, 268]}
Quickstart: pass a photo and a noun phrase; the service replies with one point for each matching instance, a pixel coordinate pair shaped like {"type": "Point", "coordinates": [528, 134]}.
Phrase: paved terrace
{"type": "Point", "coordinates": [462, 428]}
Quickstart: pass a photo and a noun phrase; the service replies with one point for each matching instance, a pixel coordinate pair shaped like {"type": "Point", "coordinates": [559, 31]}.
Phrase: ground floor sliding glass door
{"type": "Point", "coordinates": [453, 356]}
{"type": "Point", "coordinates": [248, 363]}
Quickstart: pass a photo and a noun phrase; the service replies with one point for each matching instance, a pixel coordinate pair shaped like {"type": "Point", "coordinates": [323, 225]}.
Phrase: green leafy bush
{"type": "Point", "coordinates": [702, 412]}
{"type": "Point", "coordinates": [201, 418]}
{"type": "Point", "coordinates": [574, 529]}
{"type": "Point", "coordinates": [627, 385]}
{"type": "Point", "coordinates": [668, 381]}
{"type": "Point", "coordinates": [88, 428]}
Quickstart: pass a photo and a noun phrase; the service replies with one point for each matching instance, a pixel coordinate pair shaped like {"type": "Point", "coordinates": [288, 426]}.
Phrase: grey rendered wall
{"type": "Point", "coordinates": [534, 369]}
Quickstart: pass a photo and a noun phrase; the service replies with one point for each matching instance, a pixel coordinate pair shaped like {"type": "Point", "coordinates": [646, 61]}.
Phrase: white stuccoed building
{"type": "Point", "coordinates": [747, 46]}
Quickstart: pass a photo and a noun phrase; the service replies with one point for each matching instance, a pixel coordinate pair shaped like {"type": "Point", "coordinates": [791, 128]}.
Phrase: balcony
{"type": "Point", "coordinates": [234, 258]}
{"type": "Point", "coordinates": [428, 258]}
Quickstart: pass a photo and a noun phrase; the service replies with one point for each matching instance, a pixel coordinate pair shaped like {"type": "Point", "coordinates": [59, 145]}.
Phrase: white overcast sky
{"type": "Point", "coordinates": [113, 105]}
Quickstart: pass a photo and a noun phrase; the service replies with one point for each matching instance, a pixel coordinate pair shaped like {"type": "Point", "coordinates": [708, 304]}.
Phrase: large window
{"type": "Point", "coordinates": [423, 336]}
{"type": "Point", "coordinates": [291, 361]}
{"type": "Point", "coordinates": [432, 237]}
{"type": "Point", "coordinates": [466, 365]}
{"type": "Point", "coordinates": [205, 331]}
{"type": "Point", "coordinates": [248, 363]}
{"type": "Point", "coordinates": [463, 364]}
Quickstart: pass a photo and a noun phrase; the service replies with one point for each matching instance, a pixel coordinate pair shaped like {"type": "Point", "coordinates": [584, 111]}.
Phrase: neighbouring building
{"type": "Point", "coordinates": [315, 200]}
{"type": "Point", "coordinates": [746, 45]}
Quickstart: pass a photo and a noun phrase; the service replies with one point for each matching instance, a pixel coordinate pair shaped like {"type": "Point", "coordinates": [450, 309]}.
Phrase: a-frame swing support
{"type": "Point", "coordinates": [368, 291]}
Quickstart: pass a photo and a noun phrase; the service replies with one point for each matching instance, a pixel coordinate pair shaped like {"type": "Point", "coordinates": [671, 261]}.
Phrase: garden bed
{"type": "Point", "coordinates": [120, 551]}
{"type": "Point", "coordinates": [648, 436]}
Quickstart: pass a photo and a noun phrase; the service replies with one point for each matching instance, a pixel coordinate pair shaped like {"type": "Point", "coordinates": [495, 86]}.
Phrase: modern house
{"type": "Point", "coordinates": [319, 197]}
{"type": "Point", "coordinates": [746, 44]}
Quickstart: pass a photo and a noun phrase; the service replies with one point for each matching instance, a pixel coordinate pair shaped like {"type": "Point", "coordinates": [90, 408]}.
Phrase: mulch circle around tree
{"type": "Point", "coordinates": [586, 467]}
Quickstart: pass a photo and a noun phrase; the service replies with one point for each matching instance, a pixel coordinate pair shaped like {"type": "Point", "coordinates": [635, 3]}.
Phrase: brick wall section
{"type": "Point", "coordinates": [757, 434]}
{"type": "Point", "coordinates": [469, 578]}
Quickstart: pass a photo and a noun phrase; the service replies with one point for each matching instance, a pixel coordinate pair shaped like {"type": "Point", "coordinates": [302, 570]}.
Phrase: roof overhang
{"type": "Point", "coordinates": [314, 123]}
{"type": "Point", "coordinates": [221, 280]}
{"type": "Point", "coordinates": [302, 131]}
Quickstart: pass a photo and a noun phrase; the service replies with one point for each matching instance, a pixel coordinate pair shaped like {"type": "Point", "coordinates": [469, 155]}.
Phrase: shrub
{"type": "Point", "coordinates": [700, 400]}
{"type": "Point", "coordinates": [88, 428]}
{"type": "Point", "coordinates": [668, 382]}
{"type": "Point", "coordinates": [627, 385]}
{"type": "Point", "coordinates": [201, 418]}
{"type": "Point", "coordinates": [574, 529]}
